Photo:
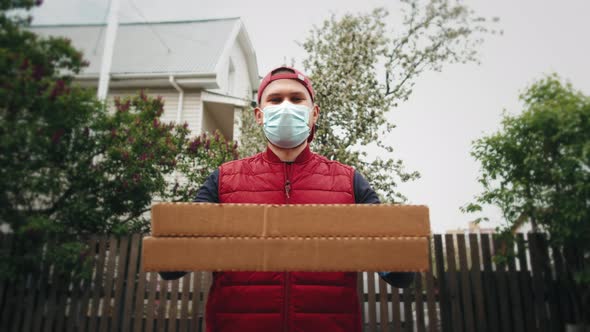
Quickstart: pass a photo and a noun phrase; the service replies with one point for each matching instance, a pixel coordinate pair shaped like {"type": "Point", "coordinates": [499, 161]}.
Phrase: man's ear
{"type": "Point", "coordinates": [259, 116]}
{"type": "Point", "coordinates": [315, 113]}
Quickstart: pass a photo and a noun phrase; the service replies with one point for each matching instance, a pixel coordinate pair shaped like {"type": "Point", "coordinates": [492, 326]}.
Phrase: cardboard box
{"type": "Point", "coordinates": [207, 219]}
{"type": "Point", "coordinates": [285, 254]}
{"type": "Point", "coordinates": [254, 237]}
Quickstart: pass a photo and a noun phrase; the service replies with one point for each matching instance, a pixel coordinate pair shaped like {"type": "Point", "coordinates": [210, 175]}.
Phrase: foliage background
{"type": "Point", "coordinates": [536, 169]}
{"type": "Point", "coordinates": [70, 165]}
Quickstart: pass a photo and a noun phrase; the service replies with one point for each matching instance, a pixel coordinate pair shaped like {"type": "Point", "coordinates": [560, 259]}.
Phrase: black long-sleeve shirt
{"type": "Point", "coordinates": [363, 194]}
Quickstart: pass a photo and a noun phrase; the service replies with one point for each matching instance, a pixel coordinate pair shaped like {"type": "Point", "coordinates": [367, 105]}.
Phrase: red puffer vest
{"type": "Point", "coordinates": [284, 301]}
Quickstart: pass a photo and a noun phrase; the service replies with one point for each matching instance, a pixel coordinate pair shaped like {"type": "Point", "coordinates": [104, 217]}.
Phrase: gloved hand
{"type": "Point", "coordinates": [172, 275]}
{"type": "Point", "coordinates": [398, 279]}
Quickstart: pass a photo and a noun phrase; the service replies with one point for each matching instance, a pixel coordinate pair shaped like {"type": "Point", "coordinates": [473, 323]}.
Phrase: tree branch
{"type": "Point", "coordinates": [410, 73]}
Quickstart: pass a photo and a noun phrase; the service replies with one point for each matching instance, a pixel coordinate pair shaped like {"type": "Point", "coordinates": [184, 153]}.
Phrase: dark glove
{"type": "Point", "coordinates": [172, 275]}
{"type": "Point", "coordinates": [398, 279]}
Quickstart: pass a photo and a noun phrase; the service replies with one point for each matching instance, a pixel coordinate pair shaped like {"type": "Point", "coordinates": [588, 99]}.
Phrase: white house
{"type": "Point", "coordinates": [205, 70]}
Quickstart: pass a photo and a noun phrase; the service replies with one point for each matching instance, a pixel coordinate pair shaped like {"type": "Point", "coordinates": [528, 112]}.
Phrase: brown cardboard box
{"type": "Point", "coordinates": [207, 219]}
{"type": "Point", "coordinates": [253, 237]}
{"type": "Point", "coordinates": [285, 254]}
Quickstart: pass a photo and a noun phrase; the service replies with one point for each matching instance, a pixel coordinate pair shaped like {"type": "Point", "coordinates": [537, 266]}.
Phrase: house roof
{"type": "Point", "coordinates": [166, 48]}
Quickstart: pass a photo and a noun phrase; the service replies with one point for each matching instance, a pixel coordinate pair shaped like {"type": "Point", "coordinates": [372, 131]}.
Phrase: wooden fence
{"type": "Point", "coordinates": [464, 291]}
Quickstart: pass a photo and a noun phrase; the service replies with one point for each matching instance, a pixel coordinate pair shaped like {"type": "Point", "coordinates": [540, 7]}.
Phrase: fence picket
{"type": "Point", "coordinates": [395, 309]}
{"type": "Point", "coordinates": [503, 295]}
{"type": "Point", "coordinates": [39, 286]}
{"type": "Point", "coordinates": [467, 302]}
{"type": "Point", "coordinates": [383, 307]}
{"type": "Point", "coordinates": [7, 290]}
{"type": "Point", "coordinates": [480, 323]}
{"type": "Point", "coordinates": [5, 244]}
{"type": "Point", "coordinates": [453, 284]}
{"type": "Point", "coordinates": [98, 277]}
{"type": "Point", "coordinates": [371, 301]}
{"type": "Point", "coordinates": [162, 304]}
{"type": "Point", "coordinates": [122, 264]}
{"type": "Point", "coordinates": [408, 312]}
{"type": "Point", "coordinates": [538, 285]}
{"type": "Point", "coordinates": [361, 295]}
{"type": "Point", "coordinates": [18, 304]}
{"type": "Point", "coordinates": [552, 294]}
{"type": "Point", "coordinates": [419, 301]}
{"type": "Point", "coordinates": [433, 321]}
{"type": "Point", "coordinates": [51, 302]}
{"type": "Point", "coordinates": [564, 304]}
{"type": "Point", "coordinates": [29, 304]}
{"type": "Point", "coordinates": [63, 296]}
{"type": "Point", "coordinates": [207, 279]}
{"type": "Point", "coordinates": [526, 284]}
{"type": "Point", "coordinates": [196, 302]}
{"type": "Point", "coordinates": [444, 301]}
{"type": "Point", "coordinates": [129, 288]}
{"type": "Point", "coordinates": [80, 322]}
{"type": "Point", "coordinates": [11, 297]}
{"type": "Point", "coordinates": [138, 313]}
{"type": "Point", "coordinates": [172, 313]}
{"type": "Point", "coordinates": [184, 317]}
{"type": "Point", "coordinates": [490, 284]}
{"type": "Point", "coordinates": [73, 315]}
{"type": "Point", "coordinates": [42, 298]}
{"type": "Point", "coordinates": [106, 311]}
{"type": "Point", "coordinates": [515, 292]}
{"type": "Point", "coordinates": [149, 321]}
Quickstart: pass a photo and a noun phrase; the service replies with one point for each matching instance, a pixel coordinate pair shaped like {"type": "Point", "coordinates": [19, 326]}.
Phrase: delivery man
{"type": "Point", "coordinates": [286, 173]}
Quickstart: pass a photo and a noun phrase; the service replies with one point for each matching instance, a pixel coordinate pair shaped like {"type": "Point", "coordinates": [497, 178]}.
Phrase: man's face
{"type": "Point", "coordinates": [290, 90]}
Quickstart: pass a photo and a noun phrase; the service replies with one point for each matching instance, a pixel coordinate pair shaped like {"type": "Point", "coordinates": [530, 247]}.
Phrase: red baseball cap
{"type": "Point", "coordinates": [285, 72]}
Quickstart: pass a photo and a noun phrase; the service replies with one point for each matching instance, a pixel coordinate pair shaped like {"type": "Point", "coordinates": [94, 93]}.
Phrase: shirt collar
{"type": "Point", "coordinates": [303, 156]}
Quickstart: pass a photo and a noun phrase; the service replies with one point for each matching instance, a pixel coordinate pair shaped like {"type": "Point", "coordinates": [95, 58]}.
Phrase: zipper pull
{"type": "Point", "coordinates": [287, 188]}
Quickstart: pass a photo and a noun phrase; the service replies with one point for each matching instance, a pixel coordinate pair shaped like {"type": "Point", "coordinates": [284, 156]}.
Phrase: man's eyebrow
{"type": "Point", "coordinates": [278, 94]}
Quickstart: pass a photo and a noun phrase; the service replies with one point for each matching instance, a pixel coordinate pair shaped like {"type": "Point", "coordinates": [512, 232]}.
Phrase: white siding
{"type": "Point", "coordinates": [192, 112]}
{"type": "Point", "coordinates": [237, 123]}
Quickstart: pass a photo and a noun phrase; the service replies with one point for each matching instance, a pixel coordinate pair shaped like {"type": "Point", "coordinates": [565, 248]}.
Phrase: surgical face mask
{"type": "Point", "coordinates": [286, 125]}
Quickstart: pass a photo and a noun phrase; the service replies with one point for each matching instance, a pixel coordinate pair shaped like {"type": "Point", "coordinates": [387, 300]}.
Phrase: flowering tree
{"type": "Point", "coordinates": [69, 167]}
{"type": "Point", "coordinates": [361, 70]}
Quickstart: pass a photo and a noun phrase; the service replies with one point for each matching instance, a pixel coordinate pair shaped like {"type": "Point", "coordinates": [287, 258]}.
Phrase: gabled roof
{"type": "Point", "coordinates": [154, 48]}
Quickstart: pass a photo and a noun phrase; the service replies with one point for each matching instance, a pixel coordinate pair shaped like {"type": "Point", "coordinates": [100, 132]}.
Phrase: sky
{"type": "Point", "coordinates": [447, 110]}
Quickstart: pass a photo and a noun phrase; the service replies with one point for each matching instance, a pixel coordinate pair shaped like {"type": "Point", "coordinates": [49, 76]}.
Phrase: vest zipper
{"type": "Point", "coordinates": [287, 188]}
{"type": "Point", "coordinates": [287, 168]}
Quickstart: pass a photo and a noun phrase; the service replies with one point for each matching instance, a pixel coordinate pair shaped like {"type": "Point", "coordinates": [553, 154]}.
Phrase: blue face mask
{"type": "Point", "coordinates": [286, 125]}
